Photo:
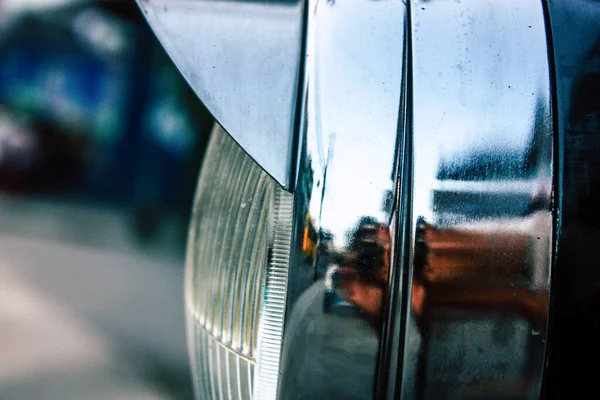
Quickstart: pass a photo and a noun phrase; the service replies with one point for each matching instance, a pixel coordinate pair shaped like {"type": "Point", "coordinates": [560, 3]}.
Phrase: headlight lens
{"type": "Point", "coordinates": [236, 274]}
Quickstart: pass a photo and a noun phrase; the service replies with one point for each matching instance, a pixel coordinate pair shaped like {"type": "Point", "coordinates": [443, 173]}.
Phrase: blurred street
{"type": "Point", "coordinates": [101, 140]}
{"type": "Point", "coordinates": [86, 312]}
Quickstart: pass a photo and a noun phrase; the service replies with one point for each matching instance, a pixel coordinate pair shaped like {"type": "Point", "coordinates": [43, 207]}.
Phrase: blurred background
{"type": "Point", "coordinates": [100, 145]}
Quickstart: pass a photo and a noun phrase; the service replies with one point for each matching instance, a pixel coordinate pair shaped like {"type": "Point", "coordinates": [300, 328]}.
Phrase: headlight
{"type": "Point", "coordinates": [236, 266]}
{"type": "Point", "coordinates": [422, 134]}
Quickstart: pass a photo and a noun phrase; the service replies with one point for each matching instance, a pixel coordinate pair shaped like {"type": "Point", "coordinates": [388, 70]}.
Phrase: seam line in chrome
{"type": "Point", "coordinates": [405, 224]}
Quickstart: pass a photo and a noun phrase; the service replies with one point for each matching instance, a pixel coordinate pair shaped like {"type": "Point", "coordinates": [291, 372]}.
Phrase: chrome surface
{"type": "Point", "coordinates": [574, 330]}
{"type": "Point", "coordinates": [481, 208]}
{"type": "Point", "coordinates": [242, 58]}
{"type": "Point", "coordinates": [343, 199]}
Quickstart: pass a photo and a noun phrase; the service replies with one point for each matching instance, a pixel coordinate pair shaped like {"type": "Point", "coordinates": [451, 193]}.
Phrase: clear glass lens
{"type": "Point", "coordinates": [230, 282]}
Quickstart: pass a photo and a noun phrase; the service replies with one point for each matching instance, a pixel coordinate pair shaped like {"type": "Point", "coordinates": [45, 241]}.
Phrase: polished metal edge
{"type": "Point", "coordinates": [572, 344]}
{"type": "Point", "coordinates": [482, 218]}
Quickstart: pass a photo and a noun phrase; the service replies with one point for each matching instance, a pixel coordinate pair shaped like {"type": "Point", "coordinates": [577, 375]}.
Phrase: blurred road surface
{"type": "Point", "coordinates": [85, 312]}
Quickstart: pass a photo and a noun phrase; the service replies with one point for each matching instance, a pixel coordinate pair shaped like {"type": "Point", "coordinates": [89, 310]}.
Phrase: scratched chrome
{"type": "Point", "coordinates": [343, 199]}
{"type": "Point", "coordinates": [242, 58]}
{"type": "Point", "coordinates": [482, 218]}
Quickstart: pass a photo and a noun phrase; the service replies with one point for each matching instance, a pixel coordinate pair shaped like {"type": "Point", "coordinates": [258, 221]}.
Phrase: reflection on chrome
{"type": "Point", "coordinates": [482, 217]}
{"type": "Point", "coordinates": [343, 200]}
{"type": "Point", "coordinates": [364, 269]}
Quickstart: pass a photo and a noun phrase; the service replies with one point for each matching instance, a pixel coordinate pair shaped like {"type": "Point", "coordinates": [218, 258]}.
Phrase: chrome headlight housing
{"type": "Point", "coordinates": [399, 234]}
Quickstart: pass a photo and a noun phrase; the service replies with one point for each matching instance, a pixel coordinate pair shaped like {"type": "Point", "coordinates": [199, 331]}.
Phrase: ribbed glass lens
{"type": "Point", "coordinates": [231, 284]}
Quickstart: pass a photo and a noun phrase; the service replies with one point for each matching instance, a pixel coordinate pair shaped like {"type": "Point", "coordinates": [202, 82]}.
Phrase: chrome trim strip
{"type": "Point", "coordinates": [481, 245]}
{"type": "Point", "coordinates": [343, 199]}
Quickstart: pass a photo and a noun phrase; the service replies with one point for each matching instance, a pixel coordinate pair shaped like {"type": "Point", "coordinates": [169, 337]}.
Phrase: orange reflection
{"type": "Point", "coordinates": [480, 269]}
{"type": "Point", "coordinates": [479, 296]}
{"type": "Point", "coordinates": [362, 276]}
